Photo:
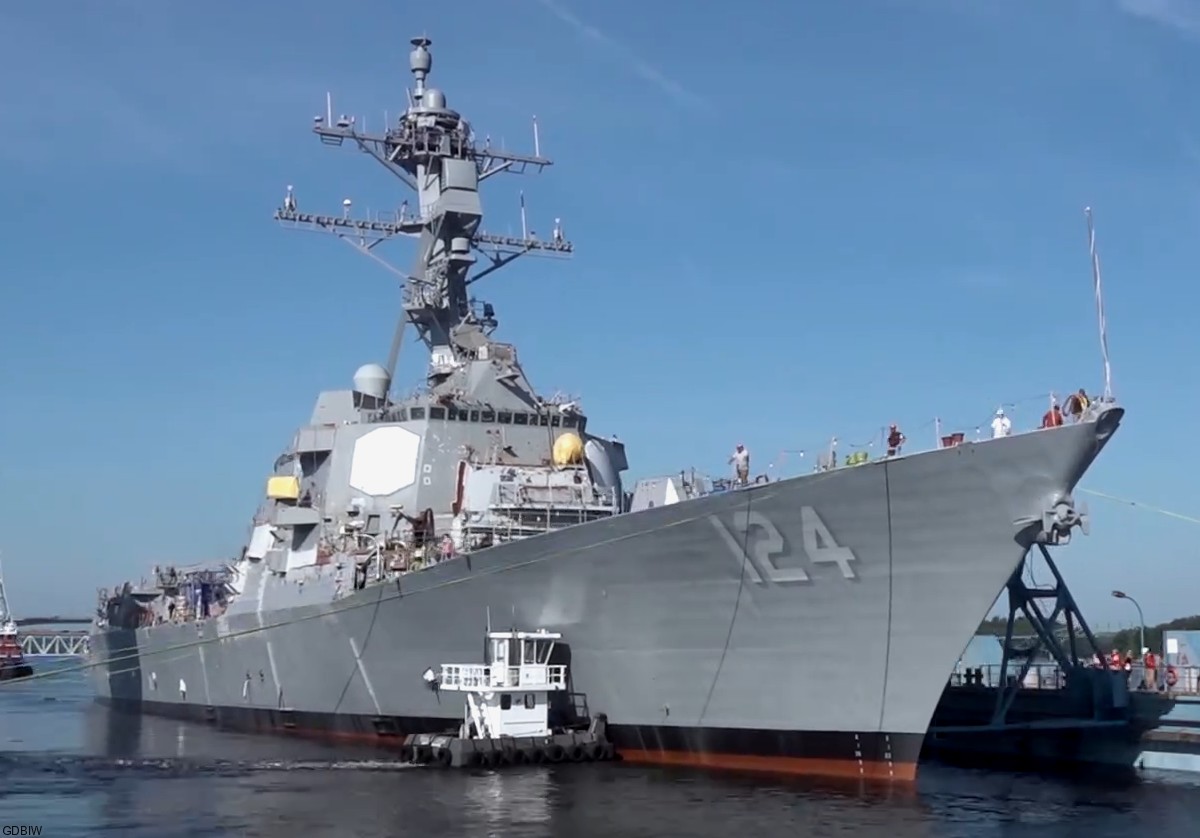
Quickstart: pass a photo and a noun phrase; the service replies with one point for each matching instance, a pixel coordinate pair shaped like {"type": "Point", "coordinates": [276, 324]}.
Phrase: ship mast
{"type": "Point", "coordinates": [5, 614]}
{"type": "Point", "coordinates": [434, 152]}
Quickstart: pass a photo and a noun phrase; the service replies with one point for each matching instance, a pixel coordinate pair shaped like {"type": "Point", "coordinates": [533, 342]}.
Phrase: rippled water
{"type": "Point", "coordinates": [75, 769]}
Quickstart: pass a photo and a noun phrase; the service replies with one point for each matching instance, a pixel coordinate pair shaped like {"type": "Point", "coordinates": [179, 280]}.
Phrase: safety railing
{"type": "Point", "coordinates": [473, 676]}
{"type": "Point", "coordinates": [1039, 676]}
{"type": "Point", "coordinates": [828, 457]}
{"type": "Point", "coordinates": [1177, 680]}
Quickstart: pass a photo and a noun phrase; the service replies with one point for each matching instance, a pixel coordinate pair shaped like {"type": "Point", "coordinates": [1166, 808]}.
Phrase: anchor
{"type": "Point", "coordinates": [1055, 524]}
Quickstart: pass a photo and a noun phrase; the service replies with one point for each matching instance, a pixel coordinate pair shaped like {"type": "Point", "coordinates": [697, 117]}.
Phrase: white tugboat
{"type": "Point", "coordinates": [509, 706]}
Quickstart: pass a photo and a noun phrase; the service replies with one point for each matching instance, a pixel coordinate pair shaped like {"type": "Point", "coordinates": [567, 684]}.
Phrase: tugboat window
{"type": "Point", "coordinates": [528, 701]}
{"type": "Point", "coordinates": [568, 421]}
{"type": "Point", "coordinates": [437, 413]}
{"type": "Point", "coordinates": [555, 421]}
{"type": "Point", "coordinates": [520, 418]}
{"type": "Point", "coordinates": [504, 418]}
{"type": "Point", "coordinates": [474, 415]}
{"type": "Point", "coordinates": [417, 413]}
{"type": "Point", "coordinates": [488, 416]}
{"type": "Point", "coordinates": [506, 701]}
{"type": "Point", "coordinates": [543, 420]}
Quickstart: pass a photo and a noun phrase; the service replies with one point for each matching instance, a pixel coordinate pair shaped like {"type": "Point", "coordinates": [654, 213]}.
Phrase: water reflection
{"type": "Point", "coordinates": [85, 771]}
{"type": "Point", "coordinates": [274, 787]}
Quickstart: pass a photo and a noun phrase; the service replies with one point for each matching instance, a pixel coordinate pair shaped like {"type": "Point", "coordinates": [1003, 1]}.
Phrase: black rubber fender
{"type": "Point", "coordinates": [443, 757]}
{"type": "Point", "coordinates": [406, 753]}
{"type": "Point", "coordinates": [591, 751]}
{"type": "Point", "coordinates": [489, 758]}
{"type": "Point", "coordinates": [537, 756]}
{"type": "Point", "coordinates": [577, 753]}
{"type": "Point", "coordinates": [519, 757]}
{"type": "Point", "coordinates": [555, 753]}
{"type": "Point", "coordinates": [423, 754]}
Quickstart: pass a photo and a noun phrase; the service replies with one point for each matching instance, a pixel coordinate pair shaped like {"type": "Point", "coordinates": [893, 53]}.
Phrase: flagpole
{"type": "Point", "coordinates": [1087, 211]}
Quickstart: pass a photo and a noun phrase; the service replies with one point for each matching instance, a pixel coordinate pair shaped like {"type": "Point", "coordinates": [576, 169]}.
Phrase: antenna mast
{"type": "Point", "coordinates": [1108, 395]}
{"type": "Point", "coordinates": [432, 150]}
{"type": "Point", "coordinates": [5, 614]}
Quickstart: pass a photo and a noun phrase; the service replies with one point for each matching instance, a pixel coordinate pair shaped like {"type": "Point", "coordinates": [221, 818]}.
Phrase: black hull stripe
{"type": "Point", "coordinates": [878, 754]}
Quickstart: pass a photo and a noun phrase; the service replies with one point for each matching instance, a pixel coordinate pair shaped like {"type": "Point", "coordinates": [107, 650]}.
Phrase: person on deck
{"type": "Point", "coordinates": [1077, 404]}
{"type": "Point", "coordinates": [895, 440]}
{"type": "Point", "coordinates": [741, 464]}
{"type": "Point", "coordinates": [1001, 425]}
{"type": "Point", "coordinates": [1053, 417]}
{"type": "Point", "coordinates": [1149, 666]}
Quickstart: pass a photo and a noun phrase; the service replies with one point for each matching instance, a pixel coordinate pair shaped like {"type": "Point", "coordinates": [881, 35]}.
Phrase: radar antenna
{"type": "Point", "coordinates": [5, 614]}
{"type": "Point", "coordinates": [433, 151]}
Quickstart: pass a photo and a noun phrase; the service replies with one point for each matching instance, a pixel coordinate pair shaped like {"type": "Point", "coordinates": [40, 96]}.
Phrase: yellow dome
{"type": "Point", "coordinates": [568, 449]}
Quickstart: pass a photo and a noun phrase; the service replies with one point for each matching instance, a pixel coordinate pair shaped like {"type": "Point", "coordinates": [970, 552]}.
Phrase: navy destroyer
{"type": "Point", "coordinates": [802, 625]}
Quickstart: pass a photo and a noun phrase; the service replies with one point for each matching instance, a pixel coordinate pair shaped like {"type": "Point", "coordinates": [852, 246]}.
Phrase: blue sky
{"type": "Point", "coordinates": [793, 221]}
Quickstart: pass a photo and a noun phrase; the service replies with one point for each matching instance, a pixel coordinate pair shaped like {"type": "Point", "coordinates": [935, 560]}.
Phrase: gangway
{"type": "Point", "coordinates": [54, 644]}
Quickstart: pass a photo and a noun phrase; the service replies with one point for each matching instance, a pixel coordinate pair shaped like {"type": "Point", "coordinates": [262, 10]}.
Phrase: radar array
{"type": "Point", "coordinates": [434, 152]}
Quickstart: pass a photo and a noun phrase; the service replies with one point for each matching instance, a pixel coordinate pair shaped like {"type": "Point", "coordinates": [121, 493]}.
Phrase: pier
{"type": "Point", "coordinates": [1057, 701]}
{"type": "Point", "coordinates": [54, 621]}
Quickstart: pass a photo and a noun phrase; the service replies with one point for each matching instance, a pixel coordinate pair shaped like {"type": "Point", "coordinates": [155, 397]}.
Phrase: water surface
{"type": "Point", "coordinates": [76, 769]}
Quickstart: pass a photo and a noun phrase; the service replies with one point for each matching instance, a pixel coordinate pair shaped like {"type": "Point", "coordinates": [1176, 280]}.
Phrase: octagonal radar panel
{"type": "Point", "coordinates": [385, 461]}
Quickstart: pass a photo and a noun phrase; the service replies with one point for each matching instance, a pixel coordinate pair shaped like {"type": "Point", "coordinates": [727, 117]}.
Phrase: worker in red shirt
{"type": "Point", "coordinates": [1114, 660]}
{"type": "Point", "coordinates": [1149, 667]}
{"type": "Point", "coordinates": [1053, 417]}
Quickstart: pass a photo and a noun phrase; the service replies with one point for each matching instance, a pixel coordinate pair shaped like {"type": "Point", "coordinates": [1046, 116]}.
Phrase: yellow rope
{"type": "Point", "coordinates": [1189, 518]}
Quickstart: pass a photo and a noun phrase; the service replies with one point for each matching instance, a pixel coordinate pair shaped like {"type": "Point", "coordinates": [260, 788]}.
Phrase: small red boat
{"type": "Point", "coordinates": [12, 656]}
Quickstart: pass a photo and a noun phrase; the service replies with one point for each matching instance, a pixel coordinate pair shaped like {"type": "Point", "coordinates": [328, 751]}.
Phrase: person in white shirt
{"type": "Point", "coordinates": [741, 464]}
{"type": "Point", "coordinates": [1001, 425]}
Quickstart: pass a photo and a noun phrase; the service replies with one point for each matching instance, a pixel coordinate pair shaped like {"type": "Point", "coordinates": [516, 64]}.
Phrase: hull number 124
{"type": "Point", "coordinates": [756, 553]}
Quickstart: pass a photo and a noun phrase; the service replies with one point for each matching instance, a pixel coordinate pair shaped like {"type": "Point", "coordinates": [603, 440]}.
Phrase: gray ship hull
{"type": "Point", "coordinates": [688, 624]}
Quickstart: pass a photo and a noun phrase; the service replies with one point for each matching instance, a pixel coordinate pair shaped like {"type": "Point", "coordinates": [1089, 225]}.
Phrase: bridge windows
{"type": "Point", "coordinates": [487, 416]}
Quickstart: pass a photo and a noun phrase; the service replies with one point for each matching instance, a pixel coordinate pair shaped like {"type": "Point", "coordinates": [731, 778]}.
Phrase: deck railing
{"type": "Point", "coordinates": [470, 676]}
{"type": "Point", "coordinates": [1050, 676]}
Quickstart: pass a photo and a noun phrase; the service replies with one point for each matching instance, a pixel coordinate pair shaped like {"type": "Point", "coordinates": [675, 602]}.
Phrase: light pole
{"type": "Point", "coordinates": [1141, 619]}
